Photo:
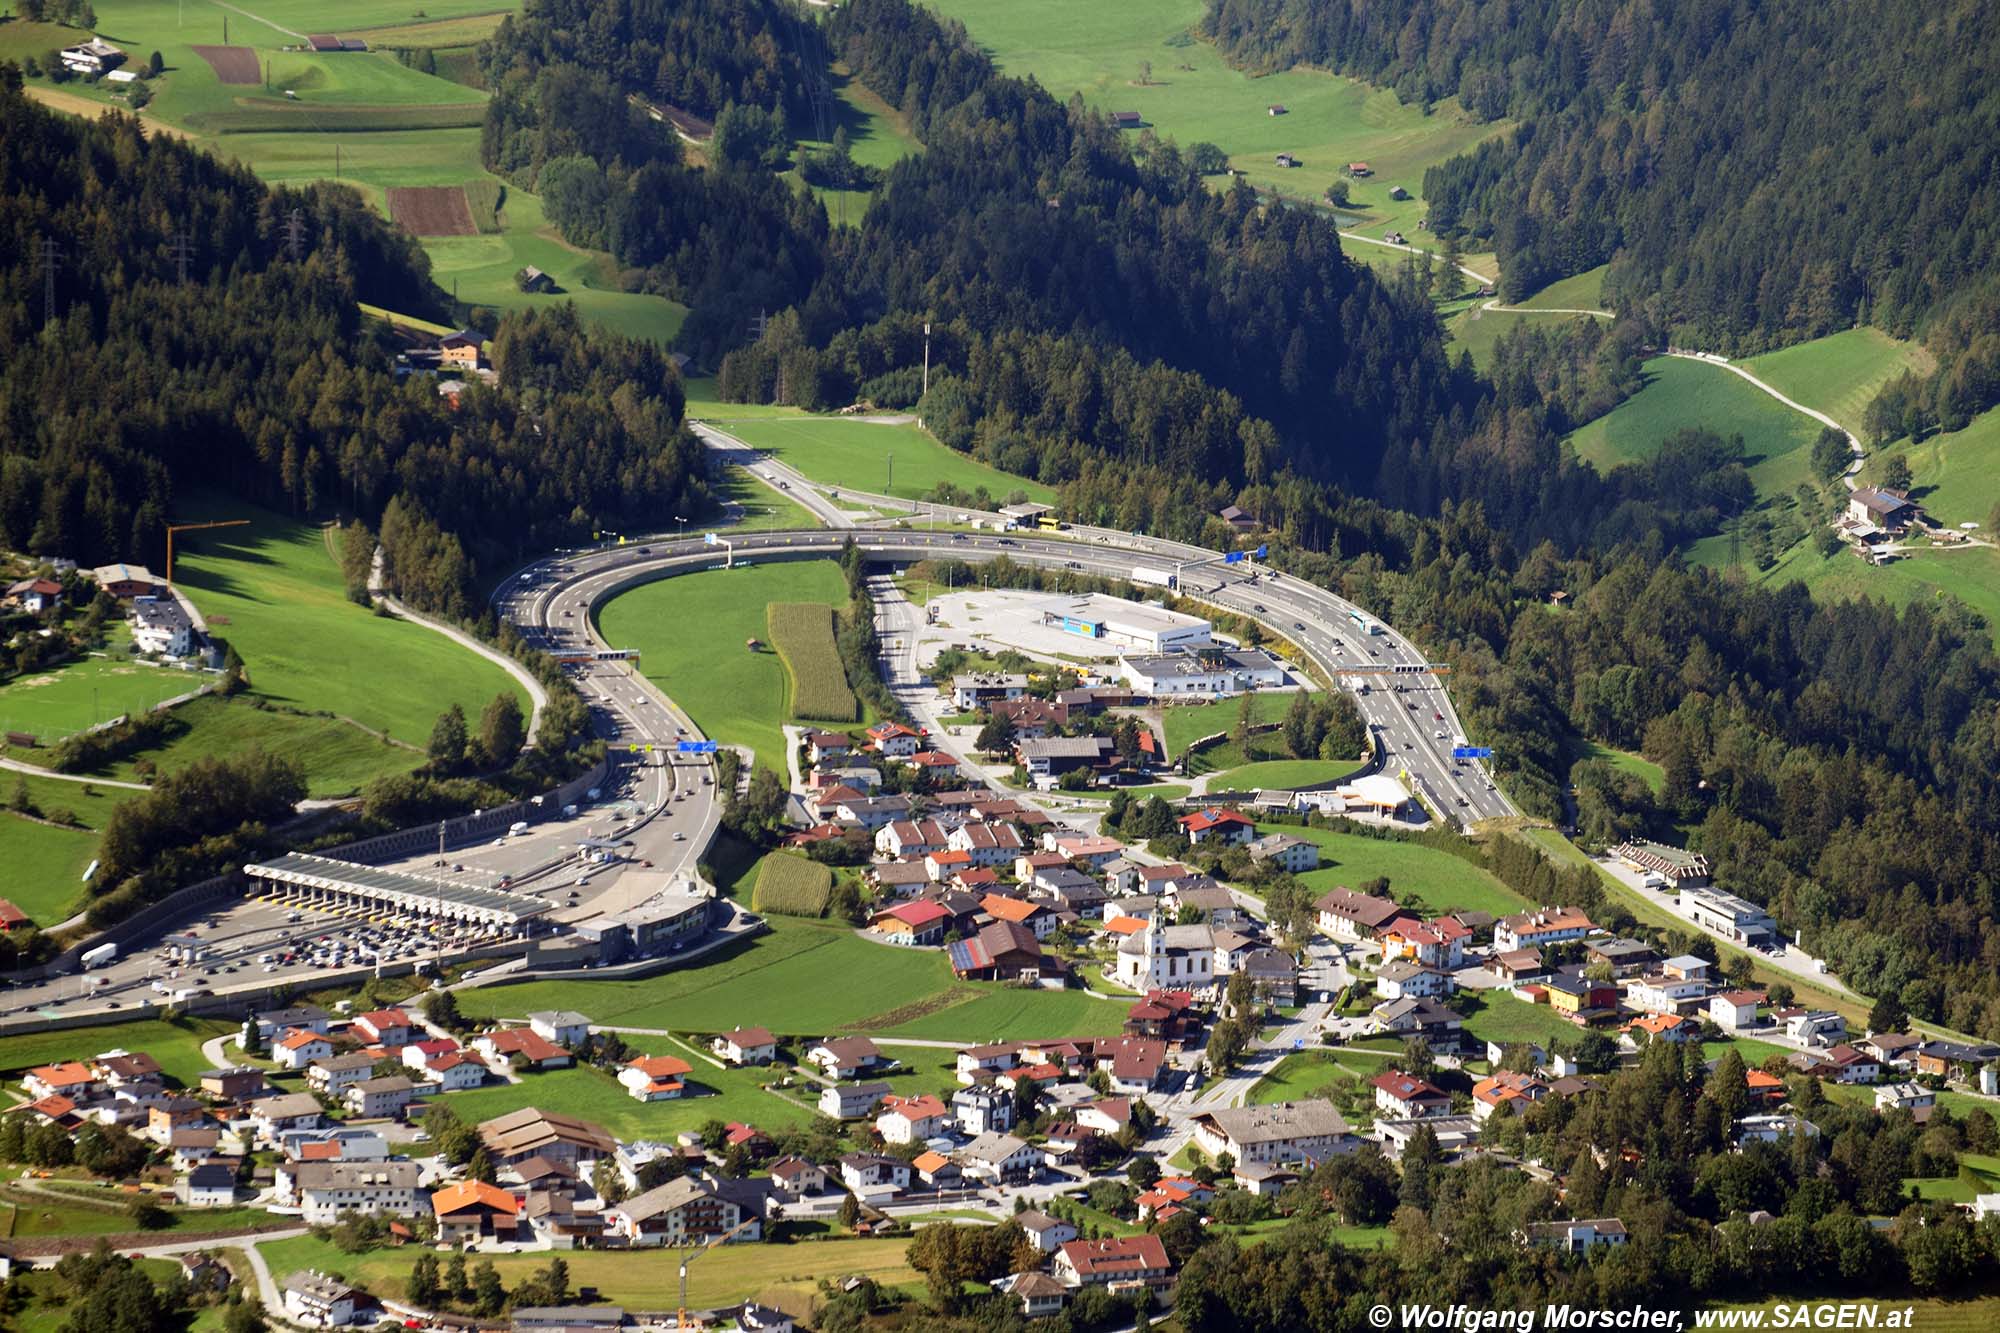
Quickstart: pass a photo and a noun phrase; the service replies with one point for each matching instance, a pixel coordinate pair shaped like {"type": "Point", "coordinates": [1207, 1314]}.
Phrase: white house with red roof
{"type": "Point", "coordinates": [895, 739]}
{"type": "Point", "coordinates": [1407, 1097]}
{"type": "Point", "coordinates": [1216, 825]}
{"type": "Point", "coordinates": [988, 844]}
{"type": "Point", "coordinates": [1425, 943]}
{"type": "Point", "coordinates": [419, 1054]}
{"type": "Point", "coordinates": [299, 1048]}
{"type": "Point", "coordinates": [746, 1046]}
{"type": "Point", "coordinates": [386, 1027]}
{"type": "Point", "coordinates": [1115, 1259]}
{"type": "Point", "coordinates": [1506, 1092]}
{"type": "Point", "coordinates": [515, 1049]}
{"type": "Point", "coordinates": [655, 1078]}
{"type": "Point", "coordinates": [455, 1071]}
{"type": "Point", "coordinates": [919, 922]}
{"type": "Point", "coordinates": [912, 1119]}
{"type": "Point", "coordinates": [69, 1078]}
{"type": "Point", "coordinates": [1540, 928]}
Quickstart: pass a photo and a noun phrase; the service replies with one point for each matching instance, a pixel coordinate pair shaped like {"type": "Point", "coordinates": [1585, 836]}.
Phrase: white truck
{"type": "Point", "coordinates": [99, 956]}
{"type": "Point", "coordinates": [1158, 578]}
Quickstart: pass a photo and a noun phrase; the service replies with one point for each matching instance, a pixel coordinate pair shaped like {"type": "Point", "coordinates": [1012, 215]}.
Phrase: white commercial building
{"type": "Point", "coordinates": [1207, 672]}
{"type": "Point", "coordinates": [1136, 625]}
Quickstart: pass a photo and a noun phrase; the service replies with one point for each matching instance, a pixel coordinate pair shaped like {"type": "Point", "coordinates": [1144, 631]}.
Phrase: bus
{"type": "Point", "coordinates": [1360, 621]}
{"type": "Point", "coordinates": [1050, 523]}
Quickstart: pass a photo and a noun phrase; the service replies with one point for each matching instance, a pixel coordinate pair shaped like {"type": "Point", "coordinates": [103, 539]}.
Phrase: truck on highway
{"type": "Point", "coordinates": [99, 956]}
{"type": "Point", "coordinates": [518, 827]}
{"type": "Point", "coordinates": [1158, 578]}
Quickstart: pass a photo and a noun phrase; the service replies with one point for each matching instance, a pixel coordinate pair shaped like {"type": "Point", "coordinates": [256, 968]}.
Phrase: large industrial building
{"type": "Point", "coordinates": [1207, 672]}
{"type": "Point", "coordinates": [1122, 624]}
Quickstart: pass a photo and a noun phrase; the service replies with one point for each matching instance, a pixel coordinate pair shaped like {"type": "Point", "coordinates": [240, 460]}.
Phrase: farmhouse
{"type": "Point", "coordinates": [746, 1046]}
{"type": "Point", "coordinates": [125, 582]}
{"type": "Point", "coordinates": [36, 595]}
{"type": "Point", "coordinates": [529, 1132]}
{"type": "Point", "coordinates": [1347, 915]}
{"type": "Point", "coordinates": [1119, 1259]}
{"type": "Point", "coordinates": [1054, 756]}
{"type": "Point", "coordinates": [683, 1212]}
{"type": "Point", "coordinates": [1001, 951]}
{"type": "Point", "coordinates": [160, 626]}
{"type": "Point", "coordinates": [473, 1208]}
{"type": "Point", "coordinates": [1890, 511]}
{"type": "Point", "coordinates": [462, 350]}
{"type": "Point", "coordinates": [92, 57]}
{"type": "Point", "coordinates": [919, 922]}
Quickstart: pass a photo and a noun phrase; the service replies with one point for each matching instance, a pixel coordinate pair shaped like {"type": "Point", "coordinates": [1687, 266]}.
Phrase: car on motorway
{"type": "Point", "coordinates": [645, 550]}
{"type": "Point", "coordinates": [680, 837]}
{"type": "Point", "coordinates": [1437, 717]}
{"type": "Point", "coordinates": [1298, 624]}
{"type": "Point", "coordinates": [1257, 607]}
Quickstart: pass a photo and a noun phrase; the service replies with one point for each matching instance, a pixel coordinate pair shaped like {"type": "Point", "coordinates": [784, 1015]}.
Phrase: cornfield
{"type": "Point", "coordinates": [802, 632]}
{"type": "Point", "coordinates": [792, 885]}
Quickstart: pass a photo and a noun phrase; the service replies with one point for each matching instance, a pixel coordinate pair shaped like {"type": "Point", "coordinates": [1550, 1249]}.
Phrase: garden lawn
{"type": "Point", "coordinates": [1421, 878]}
{"type": "Point", "coordinates": [1301, 1076]}
{"type": "Point", "coordinates": [803, 979]}
{"type": "Point", "coordinates": [1679, 393]}
{"type": "Point", "coordinates": [726, 1275]}
{"type": "Point", "coordinates": [177, 1046]}
{"type": "Point", "coordinates": [736, 696]}
{"type": "Point", "coordinates": [857, 455]}
{"type": "Point", "coordinates": [1497, 1016]}
{"type": "Point", "coordinates": [1194, 95]}
{"type": "Point", "coordinates": [591, 1094]}
{"type": "Point", "coordinates": [305, 645]}
{"type": "Point", "coordinates": [1187, 723]}
{"type": "Point", "coordinates": [1840, 374]}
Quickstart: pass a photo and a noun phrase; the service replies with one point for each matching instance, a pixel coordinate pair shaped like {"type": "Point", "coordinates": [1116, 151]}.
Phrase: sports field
{"type": "Point", "coordinates": [899, 460]}
{"type": "Point", "coordinates": [307, 646]}
{"type": "Point", "coordinates": [1679, 393]}
{"type": "Point", "coordinates": [1839, 374]}
{"type": "Point", "coordinates": [1420, 877]}
{"type": "Point", "coordinates": [78, 695]}
{"type": "Point", "coordinates": [727, 1274]}
{"type": "Point", "coordinates": [736, 696]}
{"type": "Point", "coordinates": [1193, 95]}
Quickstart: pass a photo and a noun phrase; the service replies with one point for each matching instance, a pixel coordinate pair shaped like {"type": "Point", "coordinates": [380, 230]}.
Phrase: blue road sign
{"type": "Point", "coordinates": [697, 747]}
{"type": "Point", "coordinates": [1262, 551]}
{"type": "Point", "coordinates": [1472, 752]}
{"type": "Point", "coordinates": [708, 538]}
{"type": "Point", "coordinates": [1234, 557]}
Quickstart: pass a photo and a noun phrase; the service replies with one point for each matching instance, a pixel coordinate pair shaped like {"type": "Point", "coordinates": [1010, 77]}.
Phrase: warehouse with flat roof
{"type": "Point", "coordinates": [1122, 624]}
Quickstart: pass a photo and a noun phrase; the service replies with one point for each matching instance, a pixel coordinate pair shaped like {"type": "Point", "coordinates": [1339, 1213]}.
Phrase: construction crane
{"type": "Point", "coordinates": [681, 1319]}
{"type": "Point", "coordinates": [172, 528]}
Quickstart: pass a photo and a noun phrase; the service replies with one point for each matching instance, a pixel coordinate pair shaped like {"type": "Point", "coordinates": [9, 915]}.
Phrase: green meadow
{"type": "Point", "coordinates": [1193, 95]}
{"type": "Point", "coordinates": [1420, 877]}
{"type": "Point", "coordinates": [878, 135]}
{"type": "Point", "coordinates": [273, 591]}
{"type": "Point", "coordinates": [1477, 330]}
{"type": "Point", "coordinates": [1579, 291]}
{"type": "Point", "coordinates": [736, 696]}
{"type": "Point", "coordinates": [1680, 394]}
{"type": "Point", "coordinates": [899, 460]}
{"type": "Point", "coordinates": [45, 861]}
{"type": "Point", "coordinates": [1839, 374]}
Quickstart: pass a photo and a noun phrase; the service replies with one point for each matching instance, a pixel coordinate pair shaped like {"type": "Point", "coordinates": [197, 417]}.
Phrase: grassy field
{"type": "Point", "coordinates": [78, 695]}
{"type": "Point", "coordinates": [792, 885]}
{"type": "Point", "coordinates": [1839, 374]}
{"type": "Point", "coordinates": [1418, 876]}
{"type": "Point", "coordinates": [1193, 95]}
{"type": "Point", "coordinates": [726, 1274]}
{"type": "Point", "coordinates": [1625, 762]}
{"type": "Point", "coordinates": [273, 590]}
{"type": "Point", "coordinates": [338, 756]}
{"type": "Point", "coordinates": [592, 1094]}
{"type": "Point", "coordinates": [802, 632]}
{"type": "Point", "coordinates": [1186, 724]}
{"type": "Point", "coordinates": [1580, 291]}
{"type": "Point", "coordinates": [177, 1046]}
{"type": "Point", "coordinates": [1283, 774]}
{"type": "Point", "coordinates": [880, 459]}
{"type": "Point", "coordinates": [811, 979]}
{"type": "Point", "coordinates": [1301, 1076]}
{"type": "Point", "coordinates": [757, 506]}
{"type": "Point", "coordinates": [1971, 575]}
{"type": "Point", "coordinates": [1679, 393]}
{"type": "Point", "coordinates": [1957, 475]}
{"type": "Point", "coordinates": [1498, 1016]}
{"type": "Point", "coordinates": [1477, 330]}
{"type": "Point", "coordinates": [45, 864]}
{"type": "Point", "coordinates": [744, 701]}
{"type": "Point", "coordinates": [878, 135]}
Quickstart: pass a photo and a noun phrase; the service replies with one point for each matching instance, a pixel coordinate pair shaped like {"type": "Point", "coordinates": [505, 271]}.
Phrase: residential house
{"type": "Point", "coordinates": [1894, 1050]}
{"type": "Point", "coordinates": [873, 1173]}
{"type": "Point", "coordinates": [1904, 1097]}
{"type": "Point", "coordinates": [70, 1078]}
{"type": "Point", "coordinates": [1516, 966]}
{"type": "Point", "coordinates": [1852, 1066]}
{"type": "Point", "coordinates": [983, 1110]}
{"type": "Point", "coordinates": [274, 1116]}
{"type": "Point", "coordinates": [912, 1119]}
{"type": "Point", "coordinates": [1626, 958]}
{"type": "Point", "coordinates": [95, 56]}
{"type": "Point", "coordinates": [1038, 918]}
{"type": "Point", "coordinates": [375, 1097]}
{"type": "Point", "coordinates": [235, 1084]}
{"type": "Point", "coordinates": [270, 1024]}
{"type": "Point", "coordinates": [851, 1101]}
{"type": "Point", "coordinates": [1506, 1092]}
{"type": "Point", "coordinates": [1347, 915]}
{"type": "Point", "coordinates": [391, 1028]}
{"type": "Point", "coordinates": [1001, 951]}
{"type": "Point", "coordinates": [1107, 1115]}
{"type": "Point", "coordinates": [1217, 825]}
{"type": "Point", "coordinates": [1735, 1010]}
{"type": "Point", "coordinates": [125, 582]}
{"type": "Point", "coordinates": [315, 1299]}
{"type": "Point", "coordinates": [1405, 979]}
{"type": "Point", "coordinates": [1580, 999]}
{"type": "Point", "coordinates": [910, 837]}
{"type": "Point", "coordinates": [1407, 1097]}
{"type": "Point", "coordinates": [1277, 1132]}
{"type": "Point", "coordinates": [918, 923]}
{"type": "Point", "coordinates": [895, 740]}
{"type": "Point", "coordinates": [973, 692]}
{"type": "Point", "coordinates": [1665, 992]}
{"type": "Point", "coordinates": [1881, 508]}
{"type": "Point", "coordinates": [936, 1170]}
{"type": "Point", "coordinates": [746, 1046]}
{"type": "Point", "coordinates": [1662, 1027]}
{"type": "Point", "coordinates": [998, 1159]}
{"type": "Point", "coordinates": [846, 1057]}
{"type": "Point", "coordinates": [518, 1050]}
{"type": "Point", "coordinates": [1286, 851]}
{"type": "Point", "coordinates": [325, 1190]}
{"type": "Point", "coordinates": [872, 812]}
{"type": "Point", "coordinates": [1541, 928]}
{"type": "Point", "coordinates": [1425, 1018]}
{"type": "Point", "coordinates": [455, 1071]}
{"type": "Point", "coordinates": [36, 595]}
{"type": "Point", "coordinates": [1118, 1260]}
{"type": "Point", "coordinates": [462, 350]}
{"type": "Point", "coordinates": [334, 1075]}
{"type": "Point", "coordinates": [688, 1211]}
{"type": "Point", "coordinates": [1096, 852]}
{"type": "Point", "coordinates": [1816, 1027]}
{"type": "Point", "coordinates": [472, 1210]}
{"type": "Point", "coordinates": [1047, 1234]}
{"type": "Point", "coordinates": [1771, 1128]}
{"type": "Point", "coordinates": [655, 1078]}
{"type": "Point", "coordinates": [1576, 1237]}
{"type": "Point", "coordinates": [560, 1026]}
{"type": "Point", "coordinates": [300, 1048]}
{"type": "Point", "coordinates": [208, 1185]}
{"type": "Point", "coordinates": [799, 1177]}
